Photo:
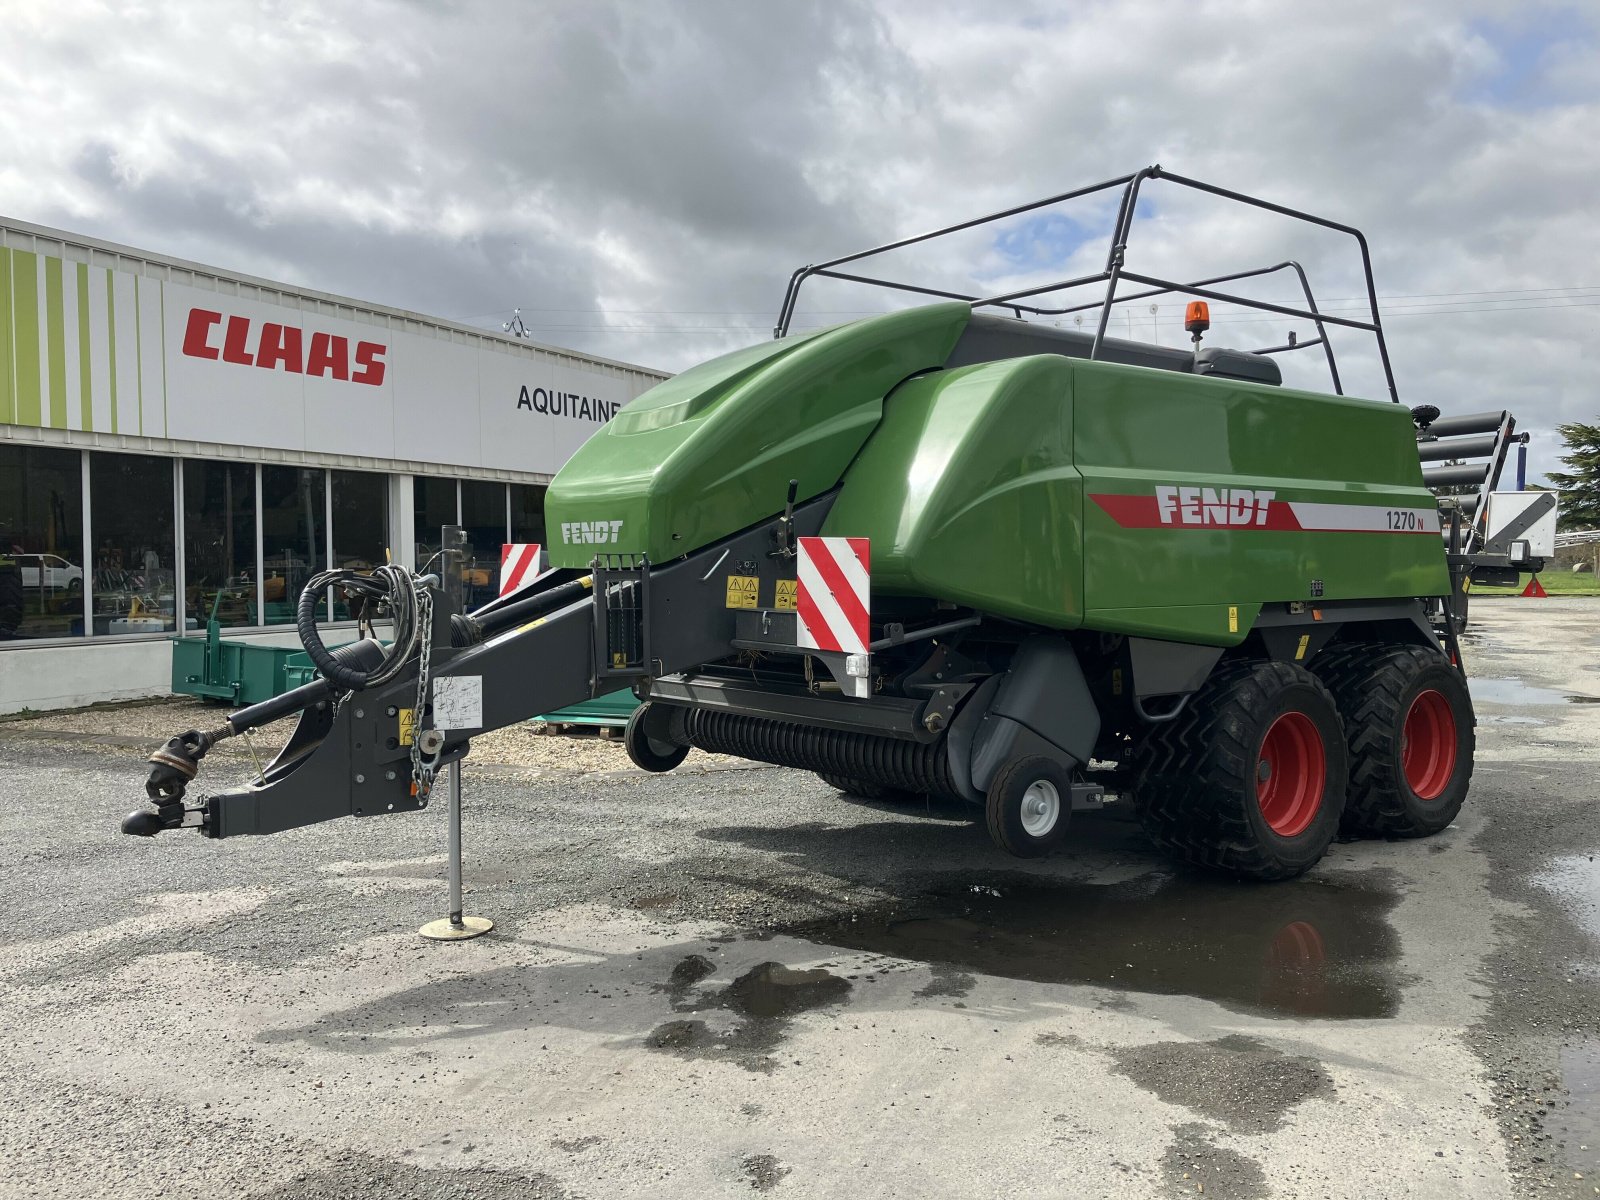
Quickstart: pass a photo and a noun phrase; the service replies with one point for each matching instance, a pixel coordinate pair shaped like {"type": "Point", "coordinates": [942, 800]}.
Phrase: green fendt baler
{"type": "Point", "coordinates": [1043, 488]}
{"type": "Point", "coordinates": [957, 553]}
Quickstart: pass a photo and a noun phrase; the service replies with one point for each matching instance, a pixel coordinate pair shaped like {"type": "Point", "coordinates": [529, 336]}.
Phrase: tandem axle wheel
{"type": "Point", "coordinates": [1031, 801]}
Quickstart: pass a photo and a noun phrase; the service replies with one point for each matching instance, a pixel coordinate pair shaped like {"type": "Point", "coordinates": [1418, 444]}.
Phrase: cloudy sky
{"type": "Point", "coordinates": [640, 178]}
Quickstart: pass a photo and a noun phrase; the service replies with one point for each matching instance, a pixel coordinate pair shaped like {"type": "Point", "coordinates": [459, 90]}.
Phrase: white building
{"type": "Point", "coordinates": [178, 441]}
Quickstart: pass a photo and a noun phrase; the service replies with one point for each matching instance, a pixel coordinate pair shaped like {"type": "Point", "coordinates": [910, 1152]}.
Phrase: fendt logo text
{"type": "Point", "coordinates": [590, 532]}
{"type": "Point", "coordinates": [1212, 506]}
{"type": "Point", "coordinates": [282, 348]}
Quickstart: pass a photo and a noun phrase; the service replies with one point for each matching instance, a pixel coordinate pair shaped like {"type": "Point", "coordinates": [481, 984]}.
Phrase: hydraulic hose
{"type": "Point", "coordinates": [367, 654]}
{"type": "Point", "coordinates": [390, 583]}
{"type": "Point", "coordinates": [400, 589]}
{"type": "Point", "coordinates": [538, 605]}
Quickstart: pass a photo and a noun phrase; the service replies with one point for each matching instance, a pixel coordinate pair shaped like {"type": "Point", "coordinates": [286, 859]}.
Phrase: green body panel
{"type": "Point", "coordinates": [1045, 489]}
{"type": "Point", "coordinates": [1134, 429]}
{"type": "Point", "coordinates": [978, 488]}
{"type": "Point", "coordinates": [969, 493]}
{"type": "Point", "coordinates": [711, 451]}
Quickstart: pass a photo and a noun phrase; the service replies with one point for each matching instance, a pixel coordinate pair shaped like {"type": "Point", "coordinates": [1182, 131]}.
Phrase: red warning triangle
{"type": "Point", "coordinates": [1535, 589]}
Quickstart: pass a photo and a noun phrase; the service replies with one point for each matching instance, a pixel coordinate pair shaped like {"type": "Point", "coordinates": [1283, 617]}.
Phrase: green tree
{"type": "Point", "coordinates": [1580, 486]}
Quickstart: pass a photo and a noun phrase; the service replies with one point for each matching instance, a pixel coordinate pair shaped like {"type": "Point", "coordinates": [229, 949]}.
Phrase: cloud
{"type": "Point", "coordinates": [641, 179]}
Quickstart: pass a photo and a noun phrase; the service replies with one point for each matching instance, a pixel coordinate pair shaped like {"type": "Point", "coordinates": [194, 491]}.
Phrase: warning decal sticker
{"type": "Point", "coordinates": [743, 591]}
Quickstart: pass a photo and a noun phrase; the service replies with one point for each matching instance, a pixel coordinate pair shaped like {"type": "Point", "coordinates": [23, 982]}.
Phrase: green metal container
{"type": "Point", "coordinates": [229, 671]}
{"type": "Point", "coordinates": [235, 672]}
{"type": "Point", "coordinates": [298, 670]}
{"type": "Point", "coordinates": [610, 711]}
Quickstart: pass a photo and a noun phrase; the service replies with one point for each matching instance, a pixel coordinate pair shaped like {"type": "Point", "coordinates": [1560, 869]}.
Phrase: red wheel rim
{"type": "Point", "coordinates": [1291, 774]}
{"type": "Point", "coordinates": [1428, 745]}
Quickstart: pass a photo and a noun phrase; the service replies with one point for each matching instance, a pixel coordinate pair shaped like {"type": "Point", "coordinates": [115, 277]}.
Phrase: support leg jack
{"type": "Point", "coordinates": [455, 927]}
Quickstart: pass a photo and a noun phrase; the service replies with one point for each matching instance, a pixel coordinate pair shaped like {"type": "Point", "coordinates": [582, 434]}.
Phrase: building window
{"type": "Point", "coordinates": [219, 543]}
{"type": "Point", "coordinates": [527, 514]}
{"type": "Point", "coordinates": [131, 516]}
{"type": "Point", "coordinates": [41, 542]}
{"type": "Point", "coordinates": [293, 536]}
{"type": "Point", "coordinates": [360, 525]}
{"type": "Point", "coordinates": [434, 506]}
{"type": "Point", "coordinates": [483, 516]}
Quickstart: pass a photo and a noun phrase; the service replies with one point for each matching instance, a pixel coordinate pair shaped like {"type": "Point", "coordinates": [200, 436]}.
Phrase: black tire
{"type": "Point", "coordinates": [1014, 821]}
{"type": "Point", "coordinates": [1203, 779]}
{"type": "Point", "coordinates": [1395, 700]}
{"type": "Point", "coordinates": [648, 753]}
{"type": "Point", "coordinates": [861, 789]}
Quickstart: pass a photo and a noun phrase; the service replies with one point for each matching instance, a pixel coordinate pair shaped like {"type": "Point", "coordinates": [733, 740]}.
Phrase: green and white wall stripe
{"type": "Point", "coordinates": [81, 346]}
{"type": "Point", "coordinates": [109, 341]}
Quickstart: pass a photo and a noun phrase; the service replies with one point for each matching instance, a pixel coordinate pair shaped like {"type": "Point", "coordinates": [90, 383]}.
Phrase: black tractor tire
{"type": "Point", "coordinates": [647, 753]}
{"type": "Point", "coordinates": [1212, 790]}
{"type": "Point", "coordinates": [1029, 805]}
{"type": "Point", "coordinates": [1410, 727]}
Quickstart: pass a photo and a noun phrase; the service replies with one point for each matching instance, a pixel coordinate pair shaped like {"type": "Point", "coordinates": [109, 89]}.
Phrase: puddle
{"type": "Point", "coordinates": [1194, 1163]}
{"type": "Point", "coordinates": [1237, 1081]}
{"type": "Point", "coordinates": [773, 990]}
{"type": "Point", "coordinates": [689, 972]}
{"type": "Point", "coordinates": [766, 996]}
{"type": "Point", "coordinates": [1579, 1128]}
{"type": "Point", "coordinates": [1574, 879]}
{"type": "Point", "coordinates": [1515, 692]}
{"type": "Point", "coordinates": [1306, 948]}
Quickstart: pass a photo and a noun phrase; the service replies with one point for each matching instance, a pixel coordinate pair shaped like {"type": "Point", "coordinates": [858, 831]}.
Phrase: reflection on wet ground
{"type": "Point", "coordinates": [1579, 1125]}
{"type": "Point", "coordinates": [1307, 947]}
{"type": "Point", "coordinates": [1575, 881]}
{"type": "Point", "coordinates": [1514, 691]}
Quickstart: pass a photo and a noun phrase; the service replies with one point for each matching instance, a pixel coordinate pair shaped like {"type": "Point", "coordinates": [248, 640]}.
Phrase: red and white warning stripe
{"type": "Point", "coordinates": [519, 566]}
{"type": "Point", "coordinates": [834, 595]}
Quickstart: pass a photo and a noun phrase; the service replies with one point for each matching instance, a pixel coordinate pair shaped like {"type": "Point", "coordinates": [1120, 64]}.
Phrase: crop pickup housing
{"type": "Point", "coordinates": [956, 551]}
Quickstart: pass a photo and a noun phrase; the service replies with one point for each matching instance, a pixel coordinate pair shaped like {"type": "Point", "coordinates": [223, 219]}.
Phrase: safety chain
{"type": "Point", "coordinates": [422, 771]}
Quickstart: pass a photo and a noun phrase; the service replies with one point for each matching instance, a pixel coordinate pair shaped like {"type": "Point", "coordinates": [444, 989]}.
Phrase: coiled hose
{"type": "Point", "coordinates": [390, 583]}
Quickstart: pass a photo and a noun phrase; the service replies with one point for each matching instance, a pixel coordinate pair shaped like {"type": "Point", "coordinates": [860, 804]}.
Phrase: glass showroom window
{"type": "Point", "coordinates": [483, 516]}
{"type": "Point", "coordinates": [434, 505]}
{"type": "Point", "coordinates": [293, 536]}
{"type": "Point", "coordinates": [134, 580]}
{"type": "Point", "coordinates": [219, 543]}
{"type": "Point", "coordinates": [41, 542]}
{"type": "Point", "coordinates": [360, 525]}
{"type": "Point", "coordinates": [527, 514]}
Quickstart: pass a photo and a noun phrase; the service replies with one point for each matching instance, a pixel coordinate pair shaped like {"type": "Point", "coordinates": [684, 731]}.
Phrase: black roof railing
{"type": "Point", "coordinates": [1116, 272]}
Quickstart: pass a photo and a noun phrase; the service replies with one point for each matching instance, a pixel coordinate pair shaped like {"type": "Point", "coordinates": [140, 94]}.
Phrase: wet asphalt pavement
{"type": "Point", "coordinates": [737, 981]}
